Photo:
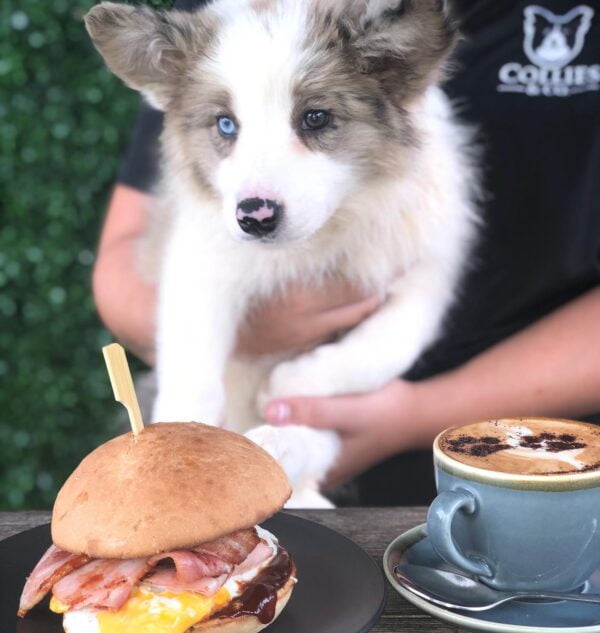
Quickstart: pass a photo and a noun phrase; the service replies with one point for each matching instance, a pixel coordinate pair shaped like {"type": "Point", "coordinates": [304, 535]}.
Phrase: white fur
{"type": "Point", "coordinates": [404, 237]}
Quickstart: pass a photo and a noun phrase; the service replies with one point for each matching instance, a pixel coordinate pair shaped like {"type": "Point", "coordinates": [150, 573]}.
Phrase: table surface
{"type": "Point", "coordinates": [372, 529]}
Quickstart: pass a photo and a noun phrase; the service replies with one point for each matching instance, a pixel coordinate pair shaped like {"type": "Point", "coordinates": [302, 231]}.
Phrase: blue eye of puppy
{"type": "Point", "coordinates": [316, 120]}
{"type": "Point", "coordinates": [227, 126]}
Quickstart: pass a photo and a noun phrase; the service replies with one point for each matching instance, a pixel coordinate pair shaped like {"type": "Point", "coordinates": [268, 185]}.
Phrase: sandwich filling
{"type": "Point", "coordinates": [169, 592]}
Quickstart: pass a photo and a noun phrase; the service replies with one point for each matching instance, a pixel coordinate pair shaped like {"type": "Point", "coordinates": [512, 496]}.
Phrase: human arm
{"type": "Point", "coordinates": [125, 301]}
{"type": "Point", "coordinates": [551, 368]}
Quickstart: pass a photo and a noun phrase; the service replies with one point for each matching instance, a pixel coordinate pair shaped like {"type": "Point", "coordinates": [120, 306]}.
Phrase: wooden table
{"type": "Point", "coordinates": [372, 529]}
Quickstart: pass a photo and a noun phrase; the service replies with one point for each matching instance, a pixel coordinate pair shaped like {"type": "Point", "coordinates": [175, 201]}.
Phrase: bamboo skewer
{"type": "Point", "coordinates": [122, 384]}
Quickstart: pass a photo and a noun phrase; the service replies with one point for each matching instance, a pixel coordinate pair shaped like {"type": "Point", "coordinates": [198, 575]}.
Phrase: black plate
{"type": "Point", "coordinates": [340, 587]}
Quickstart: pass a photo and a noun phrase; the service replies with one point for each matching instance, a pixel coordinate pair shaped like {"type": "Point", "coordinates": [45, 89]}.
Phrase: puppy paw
{"type": "Point", "coordinates": [305, 454]}
{"type": "Point", "coordinates": [277, 444]}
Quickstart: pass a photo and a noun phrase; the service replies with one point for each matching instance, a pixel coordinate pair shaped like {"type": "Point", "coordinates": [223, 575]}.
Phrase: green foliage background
{"type": "Point", "coordinates": [64, 122]}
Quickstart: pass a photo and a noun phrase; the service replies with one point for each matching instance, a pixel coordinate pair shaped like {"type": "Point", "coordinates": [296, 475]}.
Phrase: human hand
{"type": "Point", "coordinates": [372, 426]}
{"type": "Point", "coordinates": [304, 318]}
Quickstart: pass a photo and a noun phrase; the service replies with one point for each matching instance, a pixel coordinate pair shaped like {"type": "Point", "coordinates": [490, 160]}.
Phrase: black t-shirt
{"type": "Point", "coordinates": [540, 137]}
{"type": "Point", "coordinates": [528, 76]}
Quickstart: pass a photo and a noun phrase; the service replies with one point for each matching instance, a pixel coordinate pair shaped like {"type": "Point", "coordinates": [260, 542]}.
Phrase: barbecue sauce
{"type": "Point", "coordinates": [259, 598]}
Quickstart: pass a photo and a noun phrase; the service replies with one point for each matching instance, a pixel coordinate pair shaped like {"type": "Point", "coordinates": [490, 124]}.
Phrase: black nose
{"type": "Point", "coordinates": [259, 216]}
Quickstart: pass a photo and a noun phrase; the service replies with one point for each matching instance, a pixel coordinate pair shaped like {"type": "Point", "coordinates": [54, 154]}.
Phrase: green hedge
{"type": "Point", "coordinates": [64, 121]}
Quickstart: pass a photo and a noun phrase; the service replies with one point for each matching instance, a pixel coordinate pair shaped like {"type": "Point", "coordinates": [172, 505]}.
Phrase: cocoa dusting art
{"type": "Point", "coordinates": [554, 443]}
{"type": "Point", "coordinates": [476, 446]}
{"type": "Point", "coordinates": [259, 598]}
{"type": "Point", "coordinates": [484, 446]}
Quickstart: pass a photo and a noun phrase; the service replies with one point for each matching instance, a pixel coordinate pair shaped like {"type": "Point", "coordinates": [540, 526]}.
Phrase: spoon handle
{"type": "Point", "coordinates": [578, 597]}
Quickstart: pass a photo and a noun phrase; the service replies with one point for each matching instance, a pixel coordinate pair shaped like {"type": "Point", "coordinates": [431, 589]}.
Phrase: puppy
{"type": "Point", "coordinates": [303, 140]}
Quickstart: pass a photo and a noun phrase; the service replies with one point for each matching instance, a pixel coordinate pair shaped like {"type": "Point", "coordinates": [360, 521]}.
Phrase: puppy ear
{"type": "Point", "coordinates": [147, 49]}
{"type": "Point", "coordinates": [404, 43]}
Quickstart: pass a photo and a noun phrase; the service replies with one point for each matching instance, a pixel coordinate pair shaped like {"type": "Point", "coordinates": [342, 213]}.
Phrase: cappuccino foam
{"type": "Point", "coordinates": [524, 446]}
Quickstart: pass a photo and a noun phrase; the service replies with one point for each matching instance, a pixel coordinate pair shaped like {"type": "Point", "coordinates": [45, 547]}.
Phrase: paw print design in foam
{"type": "Point", "coordinates": [477, 446]}
{"type": "Point", "coordinates": [484, 446]}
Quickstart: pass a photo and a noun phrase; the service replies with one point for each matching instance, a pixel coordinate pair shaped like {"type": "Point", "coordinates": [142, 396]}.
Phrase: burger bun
{"type": "Point", "coordinates": [173, 486]}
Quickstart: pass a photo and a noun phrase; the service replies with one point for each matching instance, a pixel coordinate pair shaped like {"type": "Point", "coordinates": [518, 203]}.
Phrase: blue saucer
{"type": "Point", "coordinates": [513, 617]}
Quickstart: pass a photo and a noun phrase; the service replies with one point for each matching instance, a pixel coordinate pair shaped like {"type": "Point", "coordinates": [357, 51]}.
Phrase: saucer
{"type": "Point", "coordinates": [512, 617]}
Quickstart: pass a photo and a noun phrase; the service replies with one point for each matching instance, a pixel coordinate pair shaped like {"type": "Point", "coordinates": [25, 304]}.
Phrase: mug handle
{"type": "Point", "coordinates": [439, 527]}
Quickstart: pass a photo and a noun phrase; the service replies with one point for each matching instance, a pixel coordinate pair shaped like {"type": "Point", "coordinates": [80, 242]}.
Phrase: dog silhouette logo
{"type": "Point", "coordinates": [552, 41]}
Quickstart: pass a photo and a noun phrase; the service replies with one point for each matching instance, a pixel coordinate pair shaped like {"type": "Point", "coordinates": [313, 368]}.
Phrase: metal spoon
{"type": "Point", "coordinates": [456, 591]}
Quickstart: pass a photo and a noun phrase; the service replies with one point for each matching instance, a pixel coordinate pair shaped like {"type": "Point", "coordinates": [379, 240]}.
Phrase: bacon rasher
{"type": "Point", "coordinates": [106, 583]}
{"type": "Point", "coordinates": [234, 547]}
{"type": "Point", "coordinates": [54, 565]}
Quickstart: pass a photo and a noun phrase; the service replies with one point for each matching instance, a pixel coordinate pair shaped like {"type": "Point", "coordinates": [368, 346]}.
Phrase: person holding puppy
{"type": "Point", "coordinates": [522, 338]}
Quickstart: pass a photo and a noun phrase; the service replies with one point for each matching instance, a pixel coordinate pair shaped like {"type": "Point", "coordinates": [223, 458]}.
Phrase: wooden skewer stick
{"type": "Point", "coordinates": [122, 384]}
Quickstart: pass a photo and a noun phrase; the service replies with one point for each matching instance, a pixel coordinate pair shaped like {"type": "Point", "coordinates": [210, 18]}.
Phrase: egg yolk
{"type": "Point", "coordinates": [151, 612]}
{"type": "Point", "coordinates": [57, 606]}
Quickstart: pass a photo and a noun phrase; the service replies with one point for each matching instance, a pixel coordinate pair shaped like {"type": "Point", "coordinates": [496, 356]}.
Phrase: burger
{"type": "Point", "coordinates": [159, 533]}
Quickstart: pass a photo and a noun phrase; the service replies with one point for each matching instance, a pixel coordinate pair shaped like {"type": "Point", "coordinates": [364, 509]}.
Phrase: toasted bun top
{"type": "Point", "coordinates": [174, 486]}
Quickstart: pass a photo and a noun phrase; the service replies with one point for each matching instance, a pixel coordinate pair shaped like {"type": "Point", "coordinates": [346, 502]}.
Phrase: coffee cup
{"type": "Point", "coordinates": [518, 502]}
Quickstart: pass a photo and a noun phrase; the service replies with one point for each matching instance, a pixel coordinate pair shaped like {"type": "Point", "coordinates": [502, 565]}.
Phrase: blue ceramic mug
{"type": "Point", "coordinates": [516, 531]}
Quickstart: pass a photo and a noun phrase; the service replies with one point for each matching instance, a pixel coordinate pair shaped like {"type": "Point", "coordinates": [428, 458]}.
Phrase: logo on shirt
{"type": "Point", "coordinates": [551, 43]}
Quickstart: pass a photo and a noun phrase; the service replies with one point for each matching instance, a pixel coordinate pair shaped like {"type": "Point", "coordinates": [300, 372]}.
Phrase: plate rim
{"type": "Point", "coordinates": [374, 564]}
{"type": "Point", "coordinates": [417, 534]}
{"type": "Point", "coordinates": [285, 516]}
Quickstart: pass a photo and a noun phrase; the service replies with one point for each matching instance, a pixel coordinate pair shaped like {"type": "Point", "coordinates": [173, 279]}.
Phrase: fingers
{"type": "Point", "coordinates": [325, 326]}
{"type": "Point", "coordinates": [347, 316]}
{"type": "Point", "coordinates": [304, 317]}
{"type": "Point", "coordinates": [322, 413]}
{"type": "Point", "coordinates": [341, 293]}
{"type": "Point", "coordinates": [334, 294]}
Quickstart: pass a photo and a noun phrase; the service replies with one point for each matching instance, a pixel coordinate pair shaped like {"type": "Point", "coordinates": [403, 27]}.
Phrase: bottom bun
{"type": "Point", "coordinates": [246, 623]}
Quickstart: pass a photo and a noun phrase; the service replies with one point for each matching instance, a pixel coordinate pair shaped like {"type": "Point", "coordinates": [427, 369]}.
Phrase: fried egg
{"type": "Point", "coordinates": [153, 611]}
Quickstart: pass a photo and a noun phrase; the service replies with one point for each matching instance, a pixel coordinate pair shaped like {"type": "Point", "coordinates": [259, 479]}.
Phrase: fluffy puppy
{"type": "Point", "coordinates": [303, 140]}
